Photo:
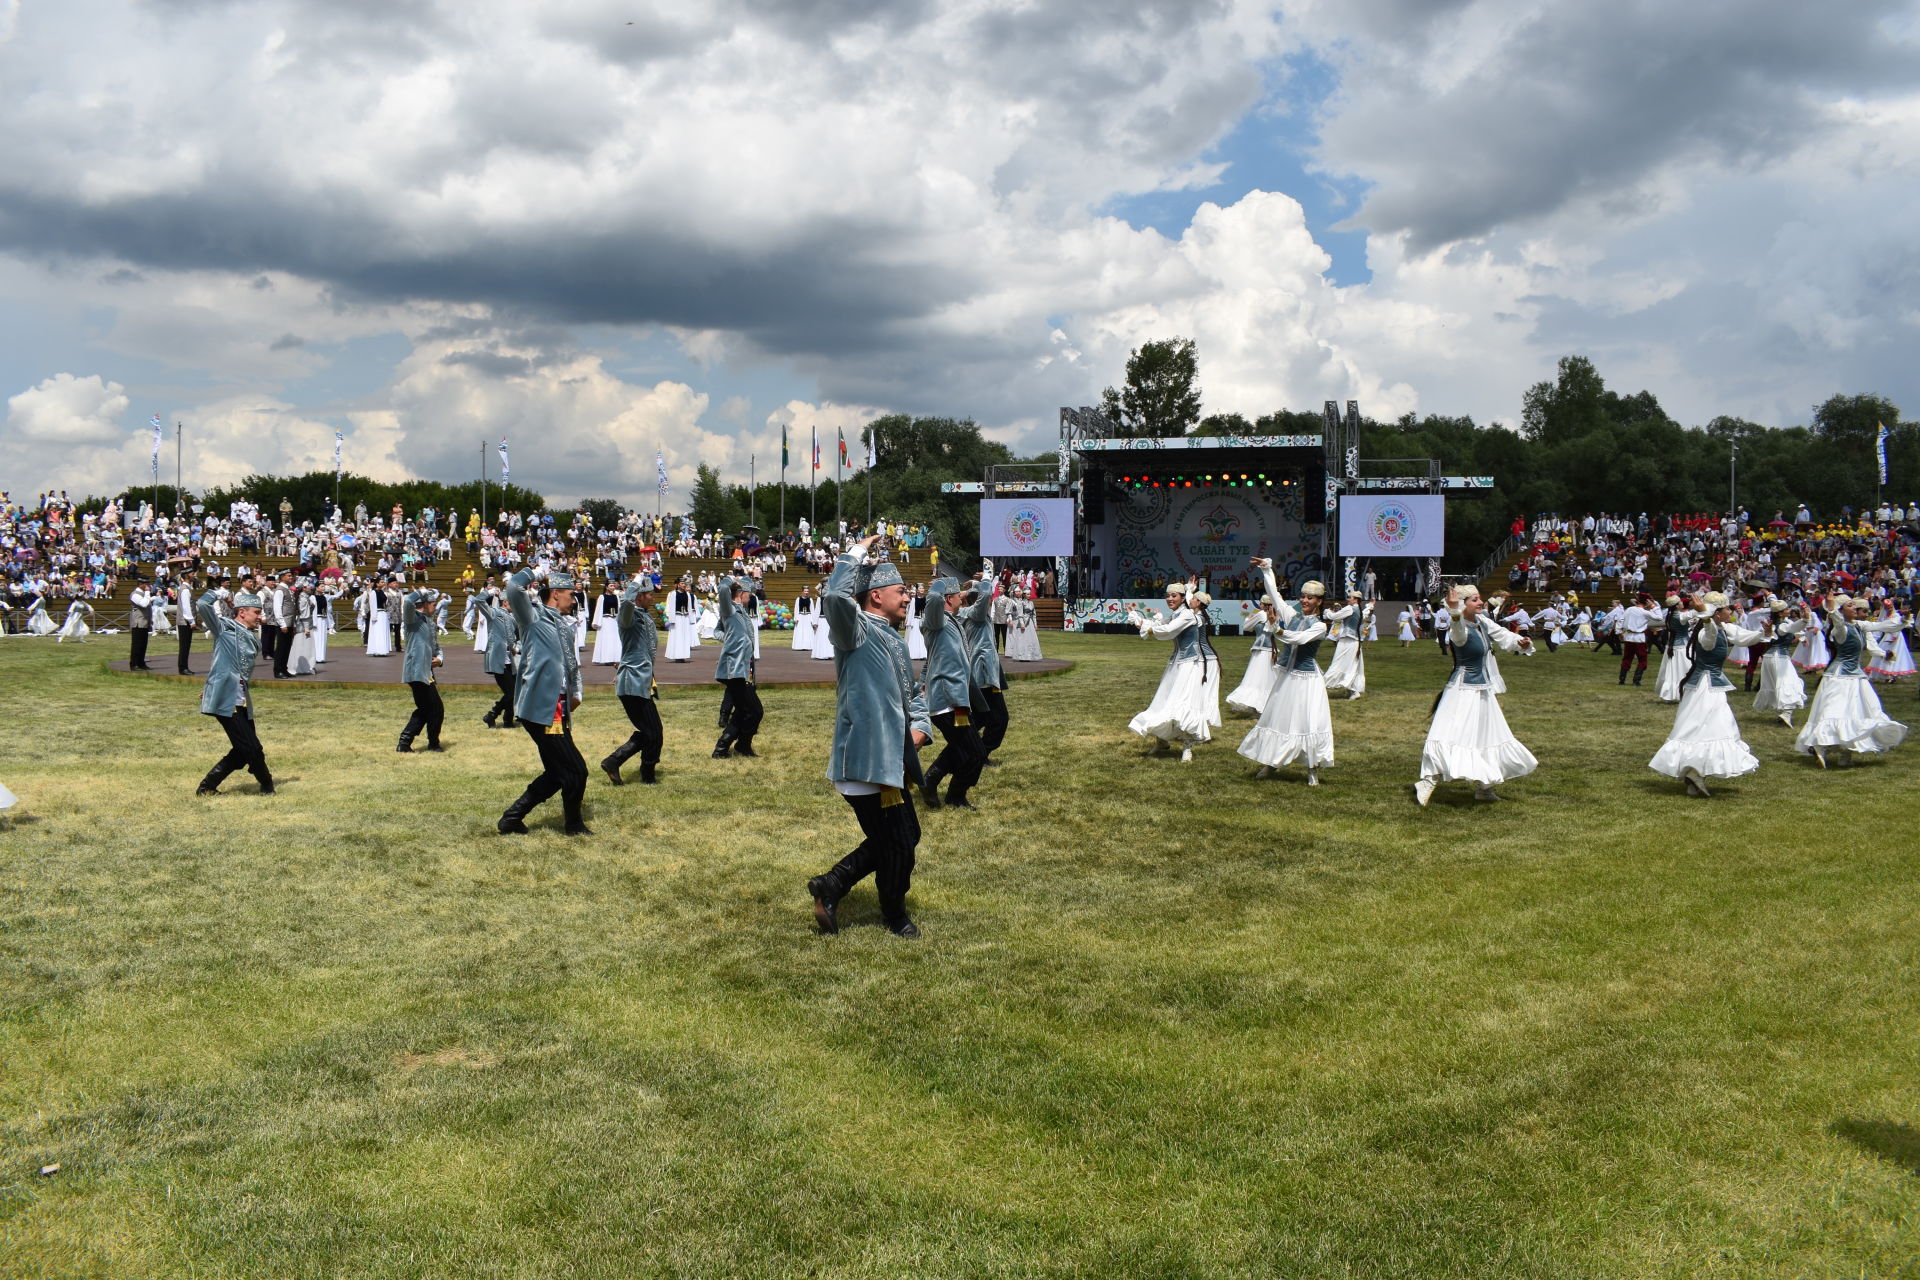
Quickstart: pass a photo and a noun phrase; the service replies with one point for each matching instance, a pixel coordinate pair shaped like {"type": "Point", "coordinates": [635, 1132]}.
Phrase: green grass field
{"type": "Point", "coordinates": [1166, 1020]}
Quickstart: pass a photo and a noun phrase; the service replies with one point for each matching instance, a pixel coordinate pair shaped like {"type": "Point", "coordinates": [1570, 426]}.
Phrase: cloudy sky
{"type": "Point", "coordinates": [599, 227]}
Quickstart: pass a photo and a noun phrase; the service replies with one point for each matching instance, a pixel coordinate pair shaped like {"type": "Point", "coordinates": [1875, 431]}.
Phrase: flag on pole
{"type": "Point", "coordinates": [660, 465]}
{"type": "Point", "coordinates": [506, 471]}
{"type": "Point", "coordinates": [783, 446]}
{"type": "Point", "coordinates": [338, 441]}
{"type": "Point", "coordinates": [873, 448]}
{"type": "Point", "coordinates": [157, 429]}
{"type": "Point", "coordinates": [1880, 446]}
{"type": "Point", "coordinates": [816, 448]}
{"type": "Point", "coordinates": [843, 448]}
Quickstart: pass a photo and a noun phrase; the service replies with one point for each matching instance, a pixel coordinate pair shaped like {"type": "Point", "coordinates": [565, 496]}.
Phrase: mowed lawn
{"type": "Point", "coordinates": [1165, 1020]}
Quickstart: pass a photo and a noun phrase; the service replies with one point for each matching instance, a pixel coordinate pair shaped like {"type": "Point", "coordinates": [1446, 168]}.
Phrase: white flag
{"type": "Point", "coordinates": [1880, 445]}
{"type": "Point", "coordinates": [660, 465]}
{"type": "Point", "coordinates": [505, 470]}
{"type": "Point", "coordinates": [873, 448]}
{"type": "Point", "coordinates": [155, 420]}
{"type": "Point", "coordinates": [338, 440]}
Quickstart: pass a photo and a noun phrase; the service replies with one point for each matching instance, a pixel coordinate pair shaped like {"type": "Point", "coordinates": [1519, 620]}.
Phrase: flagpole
{"type": "Point", "coordinates": [659, 494]}
{"type": "Point", "coordinates": [839, 486]}
{"type": "Point", "coordinates": [870, 444]}
{"type": "Point", "coordinates": [783, 480]}
{"type": "Point", "coordinates": [813, 482]}
{"type": "Point", "coordinates": [179, 502]}
{"type": "Point", "coordinates": [483, 484]}
{"type": "Point", "coordinates": [753, 491]}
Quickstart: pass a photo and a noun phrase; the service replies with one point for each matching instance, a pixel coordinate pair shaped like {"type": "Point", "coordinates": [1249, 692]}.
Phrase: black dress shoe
{"type": "Point", "coordinates": [511, 827]}
{"type": "Point", "coordinates": [745, 749]}
{"type": "Point", "coordinates": [721, 753]}
{"type": "Point", "coordinates": [903, 928]}
{"type": "Point", "coordinates": [434, 746]}
{"type": "Point", "coordinates": [578, 829]}
{"type": "Point", "coordinates": [824, 907]}
{"type": "Point", "coordinates": [206, 791]}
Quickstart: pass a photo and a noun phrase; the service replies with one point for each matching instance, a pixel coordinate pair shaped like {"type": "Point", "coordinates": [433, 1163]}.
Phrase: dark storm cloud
{"type": "Point", "coordinates": [1587, 101]}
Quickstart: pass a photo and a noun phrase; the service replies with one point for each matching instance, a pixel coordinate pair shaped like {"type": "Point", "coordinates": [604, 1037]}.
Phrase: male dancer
{"type": "Point", "coordinates": [639, 637]}
{"type": "Point", "coordinates": [548, 691]}
{"type": "Point", "coordinates": [949, 696]}
{"type": "Point", "coordinates": [140, 623]}
{"type": "Point", "coordinates": [880, 718]}
{"type": "Point", "coordinates": [1633, 627]}
{"type": "Point", "coordinates": [422, 656]}
{"type": "Point", "coordinates": [283, 620]}
{"type": "Point", "coordinates": [735, 670]}
{"type": "Point", "coordinates": [989, 679]}
{"type": "Point", "coordinates": [226, 696]}
{"type": "Point", "coordinates": [269, 621]}
{"type": "Point", "coordinates": [498, 659]}
{"type": "Point", "coordinates": [183, 617]}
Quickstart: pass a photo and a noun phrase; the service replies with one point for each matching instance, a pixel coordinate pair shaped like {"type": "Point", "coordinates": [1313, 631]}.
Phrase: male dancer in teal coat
{"type": "Point", "coordinates": [417, 667]}
{"type": "Point", "coordinates": [639, 637]}
{"type": "Point", "coordinates": [227, 696]}
{"type": "Point", "coordinates": [880, 719]}
{"type": "Point", "coordinates": [548, 692]}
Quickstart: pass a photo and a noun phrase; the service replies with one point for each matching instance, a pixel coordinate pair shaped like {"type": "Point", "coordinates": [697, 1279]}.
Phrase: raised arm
{"type": "Point", "coordinates": [844, 630]}
{"type": "Point", "coordinates": [204, 609]}
{"type": "Point", "coordinates": [934, 620]}
{"type": "Point", "coordinates": [520, 600]}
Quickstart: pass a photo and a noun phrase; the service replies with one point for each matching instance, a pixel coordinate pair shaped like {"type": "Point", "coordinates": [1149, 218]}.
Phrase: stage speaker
{"type": "Point", "coordinates": [1093, 496]}
{"type": "Point", "coordinates": [1314, 494]}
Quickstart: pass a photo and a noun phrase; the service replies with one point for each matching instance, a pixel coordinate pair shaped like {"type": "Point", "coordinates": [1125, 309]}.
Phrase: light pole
{"type": "Point", "coordinates": [1733, 470]}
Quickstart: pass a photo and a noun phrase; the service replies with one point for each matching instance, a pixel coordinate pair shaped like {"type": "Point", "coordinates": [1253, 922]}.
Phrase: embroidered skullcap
{"type": "Point", "coordinates": [1314, 589]}
{"type": "Point", "coordinates": [1860, 602]}
{"type": "Point", "coordinates": [1777, 606]}
{"type": "Point", "coordinates": [1469, 590]}
{"type": "Point", "coordinates": [1717, 600]}
{"type": "Point", "coordinates": [1266, 599]}
{"type": "Point", "coordinates": [245, 600]}
{"type": "Point", "coordinates": [1672, 600]}
{"type": "Point", "coordinates": [884, 574]}
{"type": "Point", "coordinates": [1176, 588]}
{"type": "Point", "coordinates": [559, 581]}
{"type": "Point", "coordinates": [1200, 599]}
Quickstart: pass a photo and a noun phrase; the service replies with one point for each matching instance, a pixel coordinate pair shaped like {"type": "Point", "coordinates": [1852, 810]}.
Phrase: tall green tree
{"type": "Point", "coordinates": [1162, 395]}
{"type": "Point", "coordinates": [1570, 406]}
{"type": "Point", "coordinates": [713, 505]}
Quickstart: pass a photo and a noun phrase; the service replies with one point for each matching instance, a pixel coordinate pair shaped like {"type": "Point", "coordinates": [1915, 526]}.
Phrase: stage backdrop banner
{"type": "Point", "coordinates": [1393, 525]}
{"type": "Point", "coordinates": [1026, 527]}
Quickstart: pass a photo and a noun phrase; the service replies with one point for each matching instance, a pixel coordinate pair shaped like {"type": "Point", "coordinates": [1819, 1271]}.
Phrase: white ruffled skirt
{"type": "Point", "coordinates": [1348, 670]}
{"type": "Point", "coordinates": [1250, 696]}
{"type": "Point", "coordinates": [606, 643]}
{"type": "Point", "coordinates": [1781, 688]}
{"type": "Point", "coordinates": [822, 641]}
{"type": "Point", "coordinates": [1296, 724]}
{"type": "Point", "coordinates": [1811, 653]}
{"type": "Point", "coordinates": [40, 624]}
{"type": "Point", "coordinates": [1186, 706]}
{"type": "Point", "coordinates": [300, 654]}
{"type": "Point", "coordinates": [1469, 741]}
{"type": "Point", "coordinates": [379, 635]}
{"type": "Point", "coordinates": [1846, 713]}
{"type": "Point", "coordinates": [74, 628]}
{"type": "Point", "coordinates": [1705, 737]}
{"type": "Point", "coordinates": [1023, 643]}
{"type": "Point", "coordinates": [680, 639]}
{"type": "Point", "coordinates": [1895, 661]}
{"type": "Point", "coordinates": [803, 631]}
{"type": "Point", "coordinates": [1673, 671]}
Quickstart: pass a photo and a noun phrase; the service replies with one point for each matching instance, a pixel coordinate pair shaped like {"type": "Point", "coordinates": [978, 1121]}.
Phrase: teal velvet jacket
{"type": "Point", "coordinates": [231, 673]}
{"type": "Point", "coordinates": [498, 659]}
{"type": "Point", "coordinates": [946, 672]}
{"type": "Point", "coordinates": [548, 664]}
{"type": "Point", "coordinates": [736, 640]}
{"type": "Point", "coordinates": [878, 703]}
{"type": "Point", "coordinates": [639, 635]}
{"type": "Point", "coordinates": [423, 641]}
{"type": "Point", "coordinates": [983, 659]}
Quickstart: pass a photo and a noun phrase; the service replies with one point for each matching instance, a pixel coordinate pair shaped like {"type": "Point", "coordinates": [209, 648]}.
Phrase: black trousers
{"type": "Point", "coordinates": [991, 714]}
{"type": "Point", "coordinates": [961, 759]}
{"type": "Point", "coordinates": [644, 715]}
{"type": "Point", "coordinates": [243, 752]}
{"type": "Point", "coordinates": [186, 648]}
{"type": "Point", "coordinates": [429, 713]}
{"type": "Point", "coordinates": [744, 711]}
{"type": "Point", "coordinates": [504, 680]}
{"type": "Point", "coordinates": [282, 651]}
{"type": "Point", "coordinates": [562, 769]}
{"type": "Point", "coordinates": [138, 659]}
{"type": "Point", "coordinates": [1000, 635]}
{"type": "Point", "coordinates": [269, 642]}
{"type": "Point", "coordinates": [892, 833]}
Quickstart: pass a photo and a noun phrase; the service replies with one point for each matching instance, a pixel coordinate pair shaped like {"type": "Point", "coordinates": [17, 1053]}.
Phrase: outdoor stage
{"type": "Point", "coordinates": [349, 666]}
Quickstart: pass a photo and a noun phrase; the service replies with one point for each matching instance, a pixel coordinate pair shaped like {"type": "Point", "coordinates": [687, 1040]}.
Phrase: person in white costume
{"type": "Point", "coordinates": [1023, 629]}
{"type": "Point", "coordinates": [1407, 632]}
{"type": "Point", "coordinates": [1892, 659]}
{"type": "Point", "coordinates": [379, 626]}
{"type": "Point", "coordinates": [1675, 661]}
{"type": "Point", "coordinates": [606, 628]}
{"type": "Point", "coordinates": [1846, 714]}
{"type": "Point", "coordinates": [1782, 691]}
{"type": "Point", "coordinates": [1348, 670]}
{"type": "Point", "coordinates": [916, 614]}
{"type": "Point", "coordinates": [1706, 742]}
{"type": "Point", "coordinates": [1811, 653]}
{"type": "Point", "coordinates": [75, 627]}
{"type": "Point", "coordinates": [681, 608]}
{"type": "Point", "coordinates": [1249, 697]}
{"type": "Point", "coordinates": [1186, 707]}
{"type": "Point", "coordinates": [822, 638]}
{"type": "Point", "coordinates": [300, 652]}
{"type": "Point", "coordinates": [806, 611]}
{"type": "Point", "coordinates": [1583, 626]}
{"type": "Point", "coordinates": [1467, 738]}
{"type": "Point", "coordinates": [1370, 627]}
{"type": "Point", "coordinates": [322, 624]}
{"type": "Point", "coordinates": [1296, 723]}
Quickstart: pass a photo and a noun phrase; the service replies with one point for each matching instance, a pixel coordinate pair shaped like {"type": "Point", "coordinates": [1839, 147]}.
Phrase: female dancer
{"type": "Point", "coordinates": [1674, 662]}
{"type": "Point", "coordinates": [917, 638]}
{"type": "Point", "coordinates": [1023, 632]}
{"type": "Point", "coordinates": [1250, 696]}
{"type": "Point", "coordinates": [607, 644]}
{"type": "Point", "coordinates": [379, 624]}
{"type": "Point", "coordinates": [1348, 670]}
{"type": "Point", "coordinates": [75, 627]}
{"type": "Point", "coordinates": [805, 610]}
{"type": "Point", "coordinates": [1781, 691]}
{"type": "Point", "coordinates": [1846, 714]}
{"type": "Point", "coordinates": [1894, 660]}
{"type": "Point", "coordinates": [1408, 626]}
{"type": "Point", "coordinates": [1295, 724]}
{"type": "Point", "coordinates": [1467, 737]}
{"type": "Point", "coordinates": [1705, 742]}
{"type": "Point", "coordinates": [1186, 706]}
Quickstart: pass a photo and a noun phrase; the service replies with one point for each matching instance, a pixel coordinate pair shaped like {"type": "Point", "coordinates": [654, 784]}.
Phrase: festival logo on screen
{"type": "Point", "coordinates": [1026, 529]}
{"type": "Point", "coordinates": [1218, 525]}
{"type": "Point", "coordinates": [1390, 528]}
